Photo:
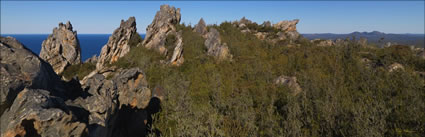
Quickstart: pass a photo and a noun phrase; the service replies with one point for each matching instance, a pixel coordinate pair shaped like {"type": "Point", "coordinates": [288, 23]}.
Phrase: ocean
{"type": "Point", "coordinates": [90, 44]}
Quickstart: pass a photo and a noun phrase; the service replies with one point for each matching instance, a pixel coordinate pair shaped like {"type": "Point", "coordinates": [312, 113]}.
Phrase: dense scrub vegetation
{"type": "Point", "coordinates": [79, 70]}
{"type": "Point", "coordinates": [342, 96]}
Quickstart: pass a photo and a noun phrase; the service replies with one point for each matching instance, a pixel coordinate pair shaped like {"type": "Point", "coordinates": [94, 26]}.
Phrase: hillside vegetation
{"type": "Point", "coordinates": [342, 95]}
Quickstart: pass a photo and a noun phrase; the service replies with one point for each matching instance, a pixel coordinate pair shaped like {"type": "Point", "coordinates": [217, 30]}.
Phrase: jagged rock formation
{"type": "Point", "coordinates": [38, 110]}
{"type": "Point", "coordinates": [21, 68]}
{"type": "Point", "coordinates": [127, 89]}
{"type": "Point", "coordinates": [291, 82]}
{"type": "Point", "coordinates": [36, 102]}
{"type": "Point", "coordinates": [215, 47]}
{"type": "Point", "coordinates": [118, 43]}
{"type": "Point", "coordinates": [287, 30]}
{"type": "Point", "coordinates": [36, 113]}
{"type": "Point", "coordinates": [162, 25]}
{"type": "Point", "coordinates": [61, 48]}
{"type": "Point", "coordinates": [201, 28]}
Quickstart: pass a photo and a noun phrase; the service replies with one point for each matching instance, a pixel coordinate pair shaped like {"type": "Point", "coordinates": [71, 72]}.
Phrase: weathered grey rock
{"type": "Point", "coordinates": [162, 25]}
{"type": "Point", "coordinates": [128, 88]}
{"type": "Point", "coordinates": [288, 29]}
{"type": "Point", "coordinates": [61, 48]}
{"type": "Point", "coordinates": [215, 47]}
{"type": "Point", "coordinates": [261, 35]}
{"type": "Point", "coordinates": [243, 22]}
{"type": "Point", "coordinates": [118, 43]}
{"type": "Point", "coordinates": [177, 57]}
{"type": "Point", "coordinates": [201, 28]}
{"type": "Point", "coordinates": [36, 113]}
{"type": "Point", "coordinates": [291, 82]}
{"type": "Point", "coordinates": [93, 60]}
{"type": "Point", "coordinates": [21, 68]}
{"type": "Point", "coordinates": [395, 66]}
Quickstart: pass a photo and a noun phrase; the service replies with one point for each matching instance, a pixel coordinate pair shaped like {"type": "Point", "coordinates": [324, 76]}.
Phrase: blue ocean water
{"type": "Point", "coordinates": [90, 44]}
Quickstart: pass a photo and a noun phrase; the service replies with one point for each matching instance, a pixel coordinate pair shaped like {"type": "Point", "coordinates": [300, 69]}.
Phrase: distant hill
{"type": "Point", "coordinates": [375, 37]}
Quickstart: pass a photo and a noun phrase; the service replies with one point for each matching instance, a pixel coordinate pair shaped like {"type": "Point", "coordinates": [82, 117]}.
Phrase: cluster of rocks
{"type": "Point", "coordinates": [213, 42]}
{"type": "Point", "coordinates": [287, 30]}
{"type": "Point", "coordinates": [36, 102]}
{"type": "Point", "coordinates": [163, 25]}
{"type": "Point", "coordinates": [61, 48]}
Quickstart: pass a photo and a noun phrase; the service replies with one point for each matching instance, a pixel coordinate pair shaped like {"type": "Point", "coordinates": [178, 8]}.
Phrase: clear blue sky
{"type": "Point", "coordinates": [315, 17]}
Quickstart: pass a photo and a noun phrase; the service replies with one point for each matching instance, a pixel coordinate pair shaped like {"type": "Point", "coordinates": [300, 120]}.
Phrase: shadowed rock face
{"type": "Point", "coordinates": [36, 113]}
{"type": "Point", "coordinates": [61, 48]}
{"type": "Point", "coordinates": [21, 68]}
{"type": "Point", "coordinates": [162, 25]}
{"type": "Point", "coordinates": [35, 102]}
{"type": "Point", "coordinates": [118, 43]}
{"type": "Point", "coordinates": [126, 94]}
{"type": "Point", "coordinates": [215, 47]}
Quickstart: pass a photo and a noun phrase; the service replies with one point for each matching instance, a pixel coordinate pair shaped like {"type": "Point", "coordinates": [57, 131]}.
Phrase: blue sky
{"type": "Point", "coordinates": [92, 17]}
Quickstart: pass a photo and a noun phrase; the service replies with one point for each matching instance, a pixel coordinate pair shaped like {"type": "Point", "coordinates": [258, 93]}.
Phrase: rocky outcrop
{"type": "Point", "coordinates": [118, 44]}
{"type": "Point", "coordinates": [126, 90]}
{"type": "Point", "coordinates": [21, 68]}
{"type": "Point", "coordinates": [93, 60]}
{"type": "Point", "coordinates": [61, 48]}
{"type": "Point", "coordinates": [162, 25]}
{"type": "Point", "coordinates": [286, 30]}
{"type": "Point", "coordinates": [201, 28]}
{"type": "Point", "coordinates": [215, 47]}
{"type": "Point", "coordinates": [161, 28]}
{"type": "Point", "coordinates": [290, 82]}
{"type": "Point", "coordinates": [35, 102]}
{"type": "Point", "coordinates": [36, 113]}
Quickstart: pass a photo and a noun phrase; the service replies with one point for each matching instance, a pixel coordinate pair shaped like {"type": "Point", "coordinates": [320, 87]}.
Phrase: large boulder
{"type": "Point", "coordinates": [126, 90]}
{"type": "Point", "coordinates": [201, 28]}
{"type": "Point", "coordinates": [36, 113]}
{"type": "Point", "coordinates": [61, 48]}
{"type": "Point", "coordinates": [21, 68]}
{"type": "Point", "coordinates": [287, 29]}
{"type": "Point", "coordinates": [215, 47]}
{"type": "Point", "coordinates": [118, 44]}
{"type": "Point", "coordinates": [162, 25]}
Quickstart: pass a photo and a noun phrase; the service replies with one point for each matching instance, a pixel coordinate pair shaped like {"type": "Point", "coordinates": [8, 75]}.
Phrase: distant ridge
{"type": "Point", "coordinates": [375, 37]}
